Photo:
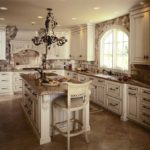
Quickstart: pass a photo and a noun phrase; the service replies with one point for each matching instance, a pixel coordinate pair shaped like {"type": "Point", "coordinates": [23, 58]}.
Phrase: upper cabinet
{"type": "Point", "coordinates": [60, 52]}
{"type": "Point", "coordinates": [83, 43]}
{"type": "Point", "coordinates": [2, 43]}
{"type": "Point", "coordinates": [17, 46]}
{"type": "Point", "coordinates": [140, 36]}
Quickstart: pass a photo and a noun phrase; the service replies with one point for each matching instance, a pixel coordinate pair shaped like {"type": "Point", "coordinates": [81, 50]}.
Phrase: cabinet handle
{"type": "Point", "coordinates": [112, 89]}
{"type": "Point", "coordinates": [100, 81]}
{"type": "Point", "coordinates": [146, 122]}
{"type": "Point", "coordinates": [113, 104]}
{"type": "Point", "coordinates": [146, 115]}
{"type": "Point", "coordinates": [94, 86]}
{"type": "Point", "coordinates": [82, 80]}
{"type": "Point", "coordinates": [26, 106]}
{"type": "Point", "coordinates": [146, 107]}
{"type": "Point", "coordinates": [26, 95]}
{"type": "Point", "coordinates": [146, 57]}
{"type": "Point", "coordinates": [70, 55]}
{"type": "Point", "coordinates": [131, 93]}
{"type": "Point", "coordinates": [146, 99]}
{"type": "Point", "coordinates": [3, 74]}
{"type": "Point", "coordinates": [3, 88]}
{"type": "Point", "coordinates": [29, 89]}
{"type": "Point", "coordinates": [34, 94]}
{"type": "Point", "coordinates": [146, 92]}
{"type": "Point", "coordinates": [3, 80]}
{"type": "Point", "coordinates": [80, 55]}
{"type": "Point", "coordinates": [132, 88]}
{"type": "Point", "coordinates": [25, 85]}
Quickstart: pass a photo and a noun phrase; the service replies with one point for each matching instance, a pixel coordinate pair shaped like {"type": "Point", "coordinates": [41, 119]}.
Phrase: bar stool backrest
{"type": "Point", "coordinates": [78, 91]}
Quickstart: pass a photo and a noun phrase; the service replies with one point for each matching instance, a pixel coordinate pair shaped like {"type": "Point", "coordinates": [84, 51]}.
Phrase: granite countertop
{"type": "Point", "coordinates": [114, 78]}
{"type": "Point", "coordinates": [41, 89]}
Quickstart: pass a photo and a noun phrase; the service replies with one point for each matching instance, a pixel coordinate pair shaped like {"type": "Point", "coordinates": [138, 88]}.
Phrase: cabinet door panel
{"type": "Point", "coordinates": [132, 106]}
{"type": "Point", "coordinates": [139, 38]}
{"type": "Point", "coordinates": [100, 95]}
{"type": "Point", "coordinates": [93, 93]}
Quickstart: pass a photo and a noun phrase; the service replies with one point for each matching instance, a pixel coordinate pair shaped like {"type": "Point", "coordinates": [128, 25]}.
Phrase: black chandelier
{"type": "Point", "coordinates": [46, 35]}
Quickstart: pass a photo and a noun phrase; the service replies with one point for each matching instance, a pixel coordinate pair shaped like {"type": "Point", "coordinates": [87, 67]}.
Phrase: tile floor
{"type": "Point", "coordinates": [108, 132]}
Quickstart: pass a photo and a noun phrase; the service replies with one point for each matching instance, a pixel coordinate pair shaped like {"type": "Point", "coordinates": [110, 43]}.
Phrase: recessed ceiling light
{"type": "Point", "coordinates": [33, 23]}
{"type": "Point", "coordinates": [74, 18]}
{"type": "Point", "coordinates": [3, 8]}
{"type": "Point", "coordinates": [40, 17]}
{"type": "Point", "coordinates": [96, 8]}
{"type": "Point", "coordinates": [2, 19]}
{"type": "Point", "coordinates": [142, 3]}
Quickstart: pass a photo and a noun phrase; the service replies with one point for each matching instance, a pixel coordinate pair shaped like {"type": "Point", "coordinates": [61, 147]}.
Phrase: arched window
{"type": "Point", "coordinates": [114, 49]}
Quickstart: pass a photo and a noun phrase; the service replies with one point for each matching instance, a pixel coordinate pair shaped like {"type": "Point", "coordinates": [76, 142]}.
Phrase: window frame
{"type": "Point", "coordinates": [99, 50]}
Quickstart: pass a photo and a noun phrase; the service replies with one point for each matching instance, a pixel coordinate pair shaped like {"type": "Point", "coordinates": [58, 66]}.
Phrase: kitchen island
{"type": "Point", "coordinates": [37, 105]}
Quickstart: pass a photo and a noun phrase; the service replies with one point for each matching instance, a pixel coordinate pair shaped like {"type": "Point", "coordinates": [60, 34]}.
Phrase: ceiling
{"type": "Point", "coordinates": [22, 12]}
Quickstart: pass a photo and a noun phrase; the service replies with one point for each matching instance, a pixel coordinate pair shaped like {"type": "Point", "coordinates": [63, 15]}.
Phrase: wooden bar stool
{"type": "Point", "coordinates": [76, 101]}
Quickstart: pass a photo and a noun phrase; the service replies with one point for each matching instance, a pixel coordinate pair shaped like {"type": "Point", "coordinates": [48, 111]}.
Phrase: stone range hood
{"type": "Point", "coordinates": [26, 59]}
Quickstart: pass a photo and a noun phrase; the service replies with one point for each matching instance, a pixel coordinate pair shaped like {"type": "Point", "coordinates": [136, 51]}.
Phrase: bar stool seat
{"type": "Point", "coordinates": [75, 101]}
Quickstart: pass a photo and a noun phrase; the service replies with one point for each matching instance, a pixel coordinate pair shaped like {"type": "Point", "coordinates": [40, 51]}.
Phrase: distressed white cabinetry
{"type": "Point", "coordinates": [140, 36]}
{"type": "Point", "coordinates": [114, 96]}
{"type": "Point", "coordinates": [101, 91]}
{"type": "Point", "coordinates": [60, 52]}
{"type": "Point", "coordinates": [133, 102]}
{"type": "Point", "coordinates": [145, 107]}
{"type": "Point", "coordinates": [83, 43]}
{"type": "Point", "coordinates": [2, 43]}
{"type": "Point", "coordinates": [6, 83]}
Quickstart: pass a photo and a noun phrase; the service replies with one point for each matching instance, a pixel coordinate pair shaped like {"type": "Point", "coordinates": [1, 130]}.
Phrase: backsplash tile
{"type": "Point", "coordinates": [141, 72]}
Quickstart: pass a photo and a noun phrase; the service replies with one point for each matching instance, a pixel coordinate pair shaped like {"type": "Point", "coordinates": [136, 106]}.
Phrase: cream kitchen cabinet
{"type": "Point", "coordinates": [60, 52]}
{"type": "Point", "coordinates": [133, 101]}
{"type": "Point", "coordinates": [17, 82]}
{"type": "Point", "coordinates": [93, 96]}
{"type": "Point", "coordinates": [101, 91]}
{"type": "Point", "coordinates": [140, 36]}
{"type": "Point", "coordinates": [145, 107]}
{"type": "Point", "coordinates": [75, 44]}
{"type": "Point", "coordinates": [31, 106]}
{"type": "Point", "coordinates": [83, 43]}
{"type": "Point", "coordinates": [2, 43]}
{"type": "Point", "coordinates": [6, 83]}
{"type": "Point", "coordinates": [17, 46]}
{"type": "Point", "coordinates": [114, 96]}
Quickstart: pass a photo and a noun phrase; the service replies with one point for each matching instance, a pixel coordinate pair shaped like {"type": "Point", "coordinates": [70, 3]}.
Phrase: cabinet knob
{"type": "Point", "coordinates": [146, 57]}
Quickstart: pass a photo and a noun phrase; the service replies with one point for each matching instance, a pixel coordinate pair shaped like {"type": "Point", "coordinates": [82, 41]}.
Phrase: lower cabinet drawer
{"type": "Point", "coordinates": [17, 88]}
{"type": "Point", "coordinates": [114, 104]}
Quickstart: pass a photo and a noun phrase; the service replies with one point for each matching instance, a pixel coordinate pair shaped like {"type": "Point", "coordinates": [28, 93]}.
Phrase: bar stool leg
{"type": "Point", "coordinates": [68, 130]}
{"type": "Point", "coordinates": [53, 120]}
